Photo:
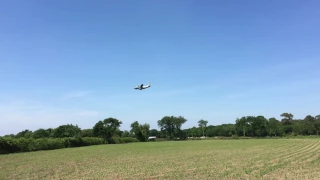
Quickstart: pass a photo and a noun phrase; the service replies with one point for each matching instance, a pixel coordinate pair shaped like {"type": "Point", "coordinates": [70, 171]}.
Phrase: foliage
{"type": "Point", "coordinates": [287, 118]}
{"type": "Point", "coordinates": [202, 124]}
{"type": "Point", "coordinates": [170, 129]}
{"type": "Point", "coordinates": [68, 130]}
{"type": "Point", "coordinates": [140, 131]}
{"type": "Point", "coordinates": [107, 128]}
{"type": "Point", "coordinates": [87, 133]}
{"type": "Point", "coordinates": [22, 144]}
{"type": "Point", "coordinates": [123, 140]}
{"type": "Point", "coordinates": [13, 145]}
{"type": "Point", "coordinates": [171, 125]}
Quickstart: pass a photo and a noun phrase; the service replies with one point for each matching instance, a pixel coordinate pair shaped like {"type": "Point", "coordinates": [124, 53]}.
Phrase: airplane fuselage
{"type": "Point", "coordinates": [141, 87]}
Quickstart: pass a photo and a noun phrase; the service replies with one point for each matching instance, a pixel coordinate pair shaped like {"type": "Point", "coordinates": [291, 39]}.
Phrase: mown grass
{"type": "Point", "coordinates": [210, 159]}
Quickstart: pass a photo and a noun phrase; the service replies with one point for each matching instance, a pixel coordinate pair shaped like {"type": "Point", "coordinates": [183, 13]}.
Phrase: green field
{"type": "Point", "coordinates": [202, 159]}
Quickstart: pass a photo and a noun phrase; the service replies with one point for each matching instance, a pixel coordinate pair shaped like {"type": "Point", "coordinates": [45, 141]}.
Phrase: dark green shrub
{"type": "Point", "coordinates": [13, 145]}
{"type": "Point", "coordinates": [73, 142]}
{"type": "Point", "coordinates": [8, 145]}
{"type": "Point", "coordinates": [89, 141]}
{"type": "Point", "coordinates": [122, 140]}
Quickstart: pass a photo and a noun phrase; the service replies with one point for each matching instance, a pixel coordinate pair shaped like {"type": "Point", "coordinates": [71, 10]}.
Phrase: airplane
{"type": "Point", "coordinates": [141, 87]}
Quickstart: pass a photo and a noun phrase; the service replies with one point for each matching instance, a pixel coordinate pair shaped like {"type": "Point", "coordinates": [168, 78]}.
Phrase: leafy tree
{"type": "Point", "coordinates": [107, 128]}
{"type": "Point", "coordinates": [126, 134]}
{"type": "Point", "coordinates": [154, 132]}
{"type": "Point", "coordinates": [317, 124]}
{"type": "Point", "coordinates": [87, 133]}
{"type": "Point", "coordinates": [242, 124]}
{"type": "Point", "coordinates": [312, 123]}
{"type": "Point", "coordinates": [259, 126]}
{"type": "Point", "coordinates": [25, 133]}
{"type": "Point", "coordinates": [226, 130]}
{"type": "Point", "coordinates": [99, 130]}
{"type": "Point", "coordinates": [111, 126]}
{"type": "Point", "coordinates": [172, 125]}
{"type": "Point", "coordinates": [50, 131]}
{"type": "Point", "coordinates": [135, 129]}
{"type": "Point", "coordinates": [140, 131]}
{"type": "Point", "coordinates": [41, 133]}
{"type": "Point", "coordinates": [211, 131]}
{"type": "Point", "coordinates": [9, 136]}
{"type": "Point", "coordinates": [145, 131]}
{"type": "Point", "coordinates": [287, 118]}
{"type": "Point", "coordinates": [203, 124]}
{"type": "Point", "coordinates": [68, 130]}
{"type": "Point", "coordinates": [274, 126]}
{"type": "Point", "coordinates": [301, 127]}
{"type": "Point", "coordinates": [193, 132]}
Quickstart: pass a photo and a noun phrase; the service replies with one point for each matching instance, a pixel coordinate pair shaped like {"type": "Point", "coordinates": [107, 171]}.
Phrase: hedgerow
{"type": "Point", "coordinates": [122, 140]}
{"type": "Point", "coordinates": [14, 145]}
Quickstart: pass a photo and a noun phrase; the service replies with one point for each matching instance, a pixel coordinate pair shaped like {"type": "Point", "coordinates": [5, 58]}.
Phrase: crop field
{"type": "Point", "coordinates": [202, 159]}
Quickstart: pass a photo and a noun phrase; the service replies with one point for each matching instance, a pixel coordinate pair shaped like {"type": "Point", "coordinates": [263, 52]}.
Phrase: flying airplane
{"type": "Point", "coordinates": [141, 87]}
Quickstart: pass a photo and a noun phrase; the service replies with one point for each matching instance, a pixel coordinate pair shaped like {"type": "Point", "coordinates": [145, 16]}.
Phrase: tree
{"type": "Point", "coordinates": [154, 132]}
{"type": "Point", "coordinates": [107, 129]}
{"type": "Point", "coordinates": [243, 125]}
{"type": "Point", "coordinates": [317, 124]}
{"type": "Point", "coordinates": [192, 132]}
{"type": "Point", "coordinates": [25, 133]}
{"type": "Point", "coordinates": [87, 133]}
{"type": "Point", "coordinates": [67, 130]}
{"type": "Point", "coordinates": [140, 131]}
{"type": "Point", "coordinates": [314, 122]}
{"type": "Point", "coordinates": [145, 131]}
{"type": "Point", "coordinates": [287, 118]}
{"type": "Point", "coordinates": [172, 125]}
{"type": "Point", "coordinates": [302, 127]}
{"type": "Point", "coordinates": [126, 134]}
{"type": "Point", "coordinates": [274, 126]}
{"type": "Point", "coordinates": [135, 129]}
{"type": "Point", "coordinates": [99, 130]}
{"type": "Point", "coordinates": [41, 133]}
{"type": "Point", "coordinates": [202, 124]}
{"type": "Point", "coordinates": [259, 126]}
{"type": "Point", "coordinates": [111, 126]}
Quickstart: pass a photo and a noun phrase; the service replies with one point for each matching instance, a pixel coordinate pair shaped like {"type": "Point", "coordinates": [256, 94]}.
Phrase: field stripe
{"type": "Point", "coordinates": [280, 149]}
{"type": "Point", "coordinates": [255, 167]}
{"type": "Point", "coordinates": [293, 158]}
{"type": "Point", "coordinates": [270, 158]}
{"type": "Point", "coordinates": [302, 163]}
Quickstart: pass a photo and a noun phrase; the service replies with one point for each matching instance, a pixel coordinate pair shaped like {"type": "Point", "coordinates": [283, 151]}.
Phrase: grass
{"type": "Point", "coordinates": [209, 159]}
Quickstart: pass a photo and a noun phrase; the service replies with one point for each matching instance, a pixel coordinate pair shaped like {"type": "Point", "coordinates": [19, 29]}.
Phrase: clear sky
{"type": "Point", "coordinates": [77, 61]}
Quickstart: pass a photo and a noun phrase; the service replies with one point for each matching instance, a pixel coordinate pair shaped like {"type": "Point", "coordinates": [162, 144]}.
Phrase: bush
{"type": "Point", "coordinates": [89, 141]}
{"type": "Point", "coordinates": [8, 145]}
{"type": "Point", "coordinates": [235, 136]}
{"type": "Point", "coordinates": [13, 145]}
{"type": "Point", "coordinates": [122, 140]}
{"type": "Point", "coordinates": [49, 144]}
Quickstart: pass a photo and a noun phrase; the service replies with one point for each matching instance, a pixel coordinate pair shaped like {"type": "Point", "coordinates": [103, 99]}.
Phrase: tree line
{"type": "Point", "coordinates": [259, 126]}
{"type": "Point", "coordinates": [108, 131]}
{"type": "Point", "coordinates": [171, 128]}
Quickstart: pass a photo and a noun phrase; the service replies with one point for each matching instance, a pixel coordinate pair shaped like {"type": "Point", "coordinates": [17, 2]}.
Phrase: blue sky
{"type": "Point", "coordinates": [64, 62]}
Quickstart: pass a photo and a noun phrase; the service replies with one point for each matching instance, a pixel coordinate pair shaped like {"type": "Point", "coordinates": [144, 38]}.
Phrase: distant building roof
{"type": "Point", "coordinates": [152, 137]}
